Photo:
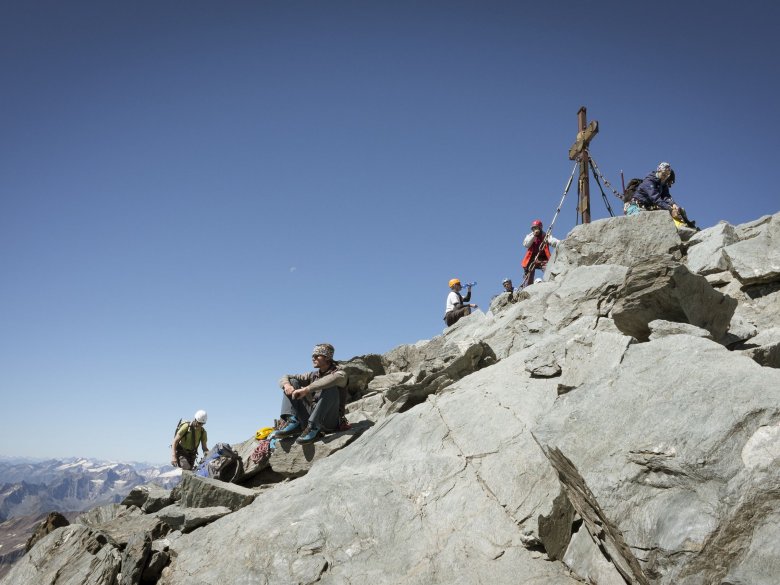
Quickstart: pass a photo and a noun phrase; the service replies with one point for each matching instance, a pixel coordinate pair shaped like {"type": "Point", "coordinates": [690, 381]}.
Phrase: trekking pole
{"type": "Point", "coordinates": [548, 233]}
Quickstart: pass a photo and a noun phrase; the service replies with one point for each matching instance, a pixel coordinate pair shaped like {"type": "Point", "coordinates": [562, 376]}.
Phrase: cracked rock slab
{"type": "Point", "coordinates": [658, 477]}
{"type": "Point", "coordinates": [419, 499]}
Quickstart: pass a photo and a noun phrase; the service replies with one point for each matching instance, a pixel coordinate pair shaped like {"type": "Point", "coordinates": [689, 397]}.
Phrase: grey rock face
{"type": "Point", "coordinates": [705, 249]}
{"type": "Point", "coordinates": [188, 519]}
{"type": "Point", "coordinates": [204, 492]}
{"type": "Point", "coordinates": [625, 241]}
{"type": "Point", "coordinates": [121, 523]}
{"type": "Point", "coordinates": [250, 467]}
{"type": "Point", "coordinates": [134, 558]}
{"type": "Point", "coordinates": [52, 521]}
{"type": "Point", "coordinates": [592, 358]}
{"type": "Point", "coordinates": [654, 473]}
{"type": "Point", "coordinates": [292, 460]}
{"type": "Point", "coordinates": [360, 372]}
{"type": "Point", "coordinates": [667, 290]}
{"type": "Point", "coordinates": [434, 373]}
{"type": "Point", "coordinates": [388, 381]}
{"type": "Point", "coordinates": [764, 348]}
{"type": "Point", "coordinates": [148, 497]}
{"type": "Point", "coordinates": [72, 555]}
{"type": "Point", "coordinates": [422, 479]}
{"type": "Point", "coordinates": [757, 260]}
{"type": "Point", "coordinates": [660, 328]}
{"type": "Point", "coordinates": [619, 423]}
{"type": "Point", "coordinates": [157, 562]}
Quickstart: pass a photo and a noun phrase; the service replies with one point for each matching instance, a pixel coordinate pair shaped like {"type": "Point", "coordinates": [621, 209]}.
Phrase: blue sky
{"type": "Point", "coordinates": [195, 193]}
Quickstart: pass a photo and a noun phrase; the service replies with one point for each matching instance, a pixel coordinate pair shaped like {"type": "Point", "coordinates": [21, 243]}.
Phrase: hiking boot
{"type": "Point", "coordinates": [309, 436]}
{"type": "Point", "coordinates": [292, 427]}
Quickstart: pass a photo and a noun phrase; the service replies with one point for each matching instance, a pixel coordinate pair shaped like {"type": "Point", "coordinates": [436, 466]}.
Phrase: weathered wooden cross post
{"type": "Point", "coordinates": [579, 151]}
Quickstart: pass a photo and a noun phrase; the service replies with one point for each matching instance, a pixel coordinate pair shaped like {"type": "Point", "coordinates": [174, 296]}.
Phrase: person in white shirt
{"type": "Point", "coordinates": [457, 306]}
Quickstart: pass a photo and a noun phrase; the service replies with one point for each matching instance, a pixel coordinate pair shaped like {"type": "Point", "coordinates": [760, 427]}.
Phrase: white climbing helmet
{"type": "Point", "coordinates": [201, 417]}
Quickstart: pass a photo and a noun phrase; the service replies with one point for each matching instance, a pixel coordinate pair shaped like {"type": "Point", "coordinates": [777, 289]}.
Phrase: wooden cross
{"type": "Point", "coordinates": [579, 151]}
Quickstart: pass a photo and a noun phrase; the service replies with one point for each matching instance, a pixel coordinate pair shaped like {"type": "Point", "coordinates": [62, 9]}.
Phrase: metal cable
{"type": "Point", "coordinates": [598, 172]}
{"type": "Point", "coordinates": [603, 195]}
{"type": "Point", "coordinates": [552, 223]}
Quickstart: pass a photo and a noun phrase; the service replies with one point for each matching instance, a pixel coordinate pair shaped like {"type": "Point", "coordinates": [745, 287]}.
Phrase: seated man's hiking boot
{"type": "Point", "coordinates": [292, 427]}
{"type": "Point", "coordinates": [310, 435]}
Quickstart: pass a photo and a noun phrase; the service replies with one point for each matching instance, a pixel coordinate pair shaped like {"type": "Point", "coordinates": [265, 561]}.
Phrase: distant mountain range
{"type": "Point", "coordinates": [29, 489]}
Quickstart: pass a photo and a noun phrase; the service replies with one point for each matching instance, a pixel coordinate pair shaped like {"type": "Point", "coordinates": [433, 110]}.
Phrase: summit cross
{"type": "Point", "coordinates": [579, 151]}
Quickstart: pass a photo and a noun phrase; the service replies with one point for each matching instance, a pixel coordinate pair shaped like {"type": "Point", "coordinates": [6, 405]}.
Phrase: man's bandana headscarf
{"type": "Point", "coordinates": [325, 349]}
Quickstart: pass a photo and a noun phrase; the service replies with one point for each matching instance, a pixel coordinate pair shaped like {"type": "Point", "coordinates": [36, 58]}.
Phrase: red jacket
{"type": "Point", "coordinates": [544, 256]}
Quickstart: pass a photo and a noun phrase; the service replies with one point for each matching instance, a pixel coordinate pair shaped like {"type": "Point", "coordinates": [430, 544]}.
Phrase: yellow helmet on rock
{"type": "Point", "coordinates": [454, 281]}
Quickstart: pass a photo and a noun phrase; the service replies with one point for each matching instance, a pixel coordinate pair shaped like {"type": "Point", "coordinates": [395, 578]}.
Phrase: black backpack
{"type": "Point", "coordinates": [631, 188]}
{"type": "Point", "coordinates": [221, 463]}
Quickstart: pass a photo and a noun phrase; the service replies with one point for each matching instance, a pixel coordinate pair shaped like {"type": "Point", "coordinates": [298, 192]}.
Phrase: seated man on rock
{"type": "Point", "coordinates": [311, 402]}
{"type": "Point", "coordinates": [457, 306]}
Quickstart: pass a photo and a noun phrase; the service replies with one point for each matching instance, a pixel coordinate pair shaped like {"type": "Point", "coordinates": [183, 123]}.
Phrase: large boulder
{"type": "Point", "coordinates": [705, 249]}
{"type": "Point", "coordinates": [587, 291]}
{"type": "Point", "coordinates": [592, 358]}
{"type": "Point", "coordinates": [429, 366]}
{"type": "Point", "coordinates": [290, 460]}
{"type": "Point", "coordinates": [72, 555]}
{"type": "Point", "coordinates": [447, 492]}
{"type": "Point", "coordinates": [625, 241]}
{"type": "Point", "coordinates": [667, 290]}
{"type": "Point", "coordinates": [634, 462]}
{"type": "Point", "coordinates": [149, 497]}
{"type": "Point", "coordinates": [251, 464]}
{"type": "Point", "coordinates": [601, 429]}
{"type": "Point", "coordinates": [188, 519]}
{"type": "Point", "coordinates": [204, 492]}
{"type": "Point", "coordinates": [121, 523]}
{"type": "Point", "coordinates": [49, 524]}
{"type": "Point", "coordinates": [135, 557]}
{"type": "Point", "coordinates": [764, 348]}
{"type": "Point", "coordinates": [757, 259]}
{"type": "Point", "coordinates": [360, 371]}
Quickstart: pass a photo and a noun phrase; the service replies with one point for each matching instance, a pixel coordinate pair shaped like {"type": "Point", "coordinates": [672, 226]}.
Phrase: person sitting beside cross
{"type": "Point", "coordinates": [653, 192]}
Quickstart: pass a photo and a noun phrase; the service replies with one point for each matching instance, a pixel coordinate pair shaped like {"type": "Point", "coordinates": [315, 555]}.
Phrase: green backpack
{"type": "Point", "coordinates": [197, 437]}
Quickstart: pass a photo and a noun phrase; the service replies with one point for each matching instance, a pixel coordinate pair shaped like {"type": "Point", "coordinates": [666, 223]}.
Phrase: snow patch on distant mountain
{"type": "Point", "coordinates": [29, 486]}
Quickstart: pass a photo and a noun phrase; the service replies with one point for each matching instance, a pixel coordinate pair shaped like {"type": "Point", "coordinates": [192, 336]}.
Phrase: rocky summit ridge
{"type": "Point", "coordinates": [617, 423]}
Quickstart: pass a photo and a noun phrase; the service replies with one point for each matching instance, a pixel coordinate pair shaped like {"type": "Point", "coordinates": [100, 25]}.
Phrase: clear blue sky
{"type": "Point", "coordinates": [195, 193]}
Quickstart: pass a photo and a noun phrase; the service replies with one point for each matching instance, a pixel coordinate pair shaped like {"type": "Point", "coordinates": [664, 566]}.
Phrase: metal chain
{"type": "Point", "coordinates": [603, 195]}
{"type": "Point", "coordinates": [603, 178]}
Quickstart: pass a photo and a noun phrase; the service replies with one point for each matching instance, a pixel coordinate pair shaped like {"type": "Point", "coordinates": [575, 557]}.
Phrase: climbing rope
{"type": "Point", "coordinates": [548, 233]}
